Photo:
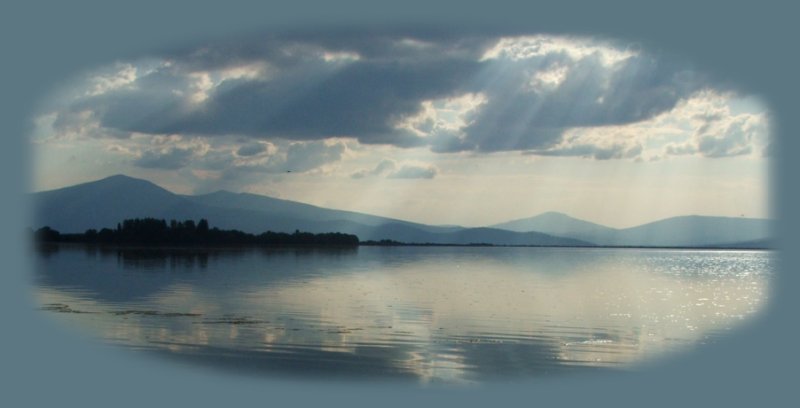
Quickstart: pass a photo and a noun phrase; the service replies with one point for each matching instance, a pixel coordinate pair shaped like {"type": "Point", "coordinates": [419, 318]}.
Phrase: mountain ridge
{"type": "Point", "coordinates": [105, 202]}
{"type": "Point", "coordinates": [676, 231]}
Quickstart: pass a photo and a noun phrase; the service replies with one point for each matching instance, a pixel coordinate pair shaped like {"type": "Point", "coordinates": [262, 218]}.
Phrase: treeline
{"type": "Point", "coordinates": [151, 231]}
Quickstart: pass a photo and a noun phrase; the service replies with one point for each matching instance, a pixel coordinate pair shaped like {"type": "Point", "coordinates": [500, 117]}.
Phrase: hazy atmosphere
{"type": "Point", "coordinates": [429, 127]}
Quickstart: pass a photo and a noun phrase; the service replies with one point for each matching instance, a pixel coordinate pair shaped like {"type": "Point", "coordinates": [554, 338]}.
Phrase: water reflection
{"type": "Point", "coordinates": [427, 314]}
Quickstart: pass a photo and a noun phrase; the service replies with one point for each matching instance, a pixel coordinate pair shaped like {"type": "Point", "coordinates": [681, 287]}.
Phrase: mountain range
{"type": "Point", "coordinates": [104, 203]}
{"type": "Point", "coordinates": [683, 231]}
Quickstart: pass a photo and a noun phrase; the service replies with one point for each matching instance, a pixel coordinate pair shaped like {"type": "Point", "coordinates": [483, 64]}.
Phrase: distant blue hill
{"type": "Point", "coordinates": [696, 230]}
{"type": "Point", "coordinates": [104, 203]}
{"type": "Point", "coordinates": [560, 224]}
{"type": "Point", "coordinates": [683, 231]}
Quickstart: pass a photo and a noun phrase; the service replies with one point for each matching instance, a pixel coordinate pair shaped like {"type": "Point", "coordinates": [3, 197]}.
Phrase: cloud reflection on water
{"type": "Point", "coordinates": [429, 314]}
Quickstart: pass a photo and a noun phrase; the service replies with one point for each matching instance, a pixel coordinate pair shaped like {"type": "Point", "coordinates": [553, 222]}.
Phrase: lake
{"type": "Point", "coordinates": [429, 315]}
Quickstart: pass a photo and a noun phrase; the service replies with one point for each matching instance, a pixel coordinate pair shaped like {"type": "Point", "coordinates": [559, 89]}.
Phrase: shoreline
{"type": "Point", "coordinates": [202, 246]}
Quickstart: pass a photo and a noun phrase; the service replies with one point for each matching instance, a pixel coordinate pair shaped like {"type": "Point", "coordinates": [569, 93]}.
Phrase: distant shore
{"type": "Point", "coordinates": [153, 233]}
{"type": "Point", "coordinates": [211, 246]}
{"type": "Point", "coordinates": [389, 243]}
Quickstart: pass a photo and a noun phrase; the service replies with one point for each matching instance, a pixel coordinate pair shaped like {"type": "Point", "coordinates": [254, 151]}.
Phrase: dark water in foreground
{"type": "Point", "coordinates": [426, 314]}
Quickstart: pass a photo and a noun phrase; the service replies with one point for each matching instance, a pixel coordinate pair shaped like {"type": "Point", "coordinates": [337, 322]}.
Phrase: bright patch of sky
{"type": "Point", "coordinates": [434, 129]}
{"type": "Point", "coordinates": [528, 47]}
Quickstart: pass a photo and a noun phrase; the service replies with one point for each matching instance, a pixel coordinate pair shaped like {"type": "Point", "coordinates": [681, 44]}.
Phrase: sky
{"type": "Point", "coordinates": [432, 127]}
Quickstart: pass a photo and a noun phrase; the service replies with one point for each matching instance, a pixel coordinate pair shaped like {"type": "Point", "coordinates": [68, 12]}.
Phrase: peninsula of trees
{"type": "Point", "coordinates": [151, 231]}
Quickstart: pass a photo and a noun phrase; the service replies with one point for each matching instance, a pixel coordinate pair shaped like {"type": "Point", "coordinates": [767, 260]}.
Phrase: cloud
{"type": "Point", "coordinates": [614, 151]}
{"type": "Point", "coordinates": [716, 131]}
{"type": "Point", "coordinates": [414, 172]}
{"type": "Point", "coordinates": [251, 149]}
{"type": "Point", "coordinates": [230, 156]}
{"type": "Point", "coordinates": [316, 100]}
{"type": "Point", "coordinates": [83, 124]}
{"type": "Point", "coordinates": [725, 138]}
{"type": "Point", "coordinates": [601, 142]}
{"type": "Point", "coordinates": [590, 94]}
{"type": "Point", "coordinates": [302, 157]}
{"type": "Point", "coordinates": [117, 77]}
{"type": "Point", "coordinates": [169, 159]}
{"type": "Point", "coordinates": [384, 166]}
{"type": "Point", "coordinates": [674, 149]}
{"type": "Point", "coordinates": [221, 168]}
{"type": "Point", "coordinates": [448, 92]}
{"type": "Point", "coordinates": [295, 157]}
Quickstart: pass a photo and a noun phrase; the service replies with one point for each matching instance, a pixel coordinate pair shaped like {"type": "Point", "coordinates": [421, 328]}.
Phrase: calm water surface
{"type": "Point", "coordinates": [425, 314]}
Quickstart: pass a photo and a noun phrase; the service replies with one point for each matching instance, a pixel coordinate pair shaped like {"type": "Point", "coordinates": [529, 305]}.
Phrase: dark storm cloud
{"type": "Point", "coordinates": [156, 99]}
{"type": "Point", "coordinates": [291, 50]}
{"type": "Point", "coordinates": [378, 81]}
{"type": "Point", "coordinates": [361, 100]}
{"type": "Point", "coordinates": [591, 94]}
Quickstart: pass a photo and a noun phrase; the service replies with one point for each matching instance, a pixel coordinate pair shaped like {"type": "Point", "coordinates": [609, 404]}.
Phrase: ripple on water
{"type": "Point", "coordinates": [412, 313]}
